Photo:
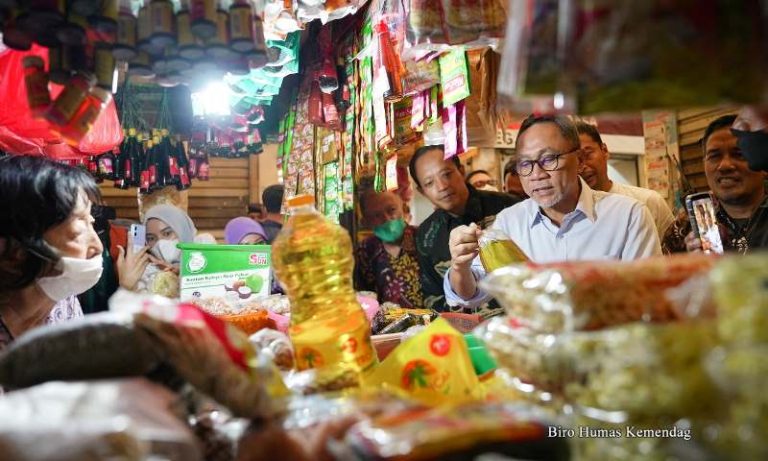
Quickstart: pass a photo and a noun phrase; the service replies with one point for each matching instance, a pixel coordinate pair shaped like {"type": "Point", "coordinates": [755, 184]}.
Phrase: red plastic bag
{"type": "Point", "coordinates": [20, 133]}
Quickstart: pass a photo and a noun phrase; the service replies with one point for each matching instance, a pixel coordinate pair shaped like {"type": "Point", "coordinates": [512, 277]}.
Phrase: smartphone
{"type": "Point", "coordinates": [138, 235]}
{"type": "Point", "coordinates": [701, 212]}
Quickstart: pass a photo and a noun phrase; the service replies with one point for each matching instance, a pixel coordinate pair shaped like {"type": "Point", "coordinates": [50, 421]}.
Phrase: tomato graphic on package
{"type": "Point", "coordinates": [310, 358]}
{"type": "Point", "coordinates": [418, 374]}
{"type": "Point", "coordinates": [440, 345]}
{"type": "Point", "coordinates": [349, 346]}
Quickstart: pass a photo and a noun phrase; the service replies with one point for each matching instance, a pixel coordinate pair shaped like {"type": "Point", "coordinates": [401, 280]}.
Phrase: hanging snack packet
{"type": "Point", "coordinates": [425, 24]}
{"type": "Point", "coordinates": [433, 367]}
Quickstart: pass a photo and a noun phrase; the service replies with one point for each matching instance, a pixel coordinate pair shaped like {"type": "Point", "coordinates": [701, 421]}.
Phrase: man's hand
{"type": "Point", "coordinates": [692, 243]}
{"type": "Point", "coordinates": [463, 245]}
{"type": "Point", "coordinates": [130, 265]}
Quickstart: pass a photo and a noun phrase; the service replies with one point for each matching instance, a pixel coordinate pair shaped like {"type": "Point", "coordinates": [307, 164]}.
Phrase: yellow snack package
{"type": "Point", "coordinates": [433, 367]}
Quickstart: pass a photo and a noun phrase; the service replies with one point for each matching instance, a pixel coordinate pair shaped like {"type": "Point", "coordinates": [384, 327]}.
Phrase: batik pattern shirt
{"type": "Point", "coordinates": [738, 235]}
{"type": "Point", "coordinates": [394, 278]}
{"type": "Point", "coordinates": [433, 234]}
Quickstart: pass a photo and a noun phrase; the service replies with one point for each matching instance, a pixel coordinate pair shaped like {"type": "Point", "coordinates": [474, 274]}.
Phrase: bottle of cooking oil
{"type": "Point", "coordinates": [498, 250]}
{"type": "Point", "coordinates": [313, 259]}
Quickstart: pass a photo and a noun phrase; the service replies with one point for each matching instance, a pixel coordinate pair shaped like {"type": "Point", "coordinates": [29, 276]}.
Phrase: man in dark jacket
{"type": "Point", "coordinates": [456, 203]}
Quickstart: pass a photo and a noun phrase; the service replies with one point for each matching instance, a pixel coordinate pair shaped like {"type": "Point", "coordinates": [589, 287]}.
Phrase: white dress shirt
{"type": "Point", "coordinates": [658, 207]}
{"type": "Point", "coordinates": [603, 226]}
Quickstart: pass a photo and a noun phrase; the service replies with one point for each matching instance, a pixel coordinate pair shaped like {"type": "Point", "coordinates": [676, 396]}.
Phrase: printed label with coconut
{"type": "Point", "coordinates": [225, 279]}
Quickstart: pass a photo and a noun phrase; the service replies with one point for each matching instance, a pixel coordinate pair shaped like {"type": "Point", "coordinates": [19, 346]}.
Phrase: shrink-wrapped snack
{"type": "Point", "coordinates": [462, 432]}
{"type": "Point", "coordinates": [740, 286]}
{"type": "Point", "coordinates": [210, 354]}
{"type": "Point", "coordinates": [592, 295]}
{"type": "Point", "coordinates": [276, 345]}
{"type": "Point", "coordinates": [640, 371]}
{"type": "Point", "coordinates": [537, 362]}
{"type": "Point", "coordinates": [643, 370]}
{"type": "Point", "coordinates": [128, 419]}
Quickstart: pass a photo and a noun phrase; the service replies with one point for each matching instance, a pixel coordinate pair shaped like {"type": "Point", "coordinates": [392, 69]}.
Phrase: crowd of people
{"type": "Point", "coordinates": [557, 204]}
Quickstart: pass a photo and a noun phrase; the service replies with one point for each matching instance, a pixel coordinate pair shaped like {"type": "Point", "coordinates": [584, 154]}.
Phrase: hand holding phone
{"type": "Point", "coordinates": [138, 237]}
{"type": "Point", "coordinates": [701, 212]}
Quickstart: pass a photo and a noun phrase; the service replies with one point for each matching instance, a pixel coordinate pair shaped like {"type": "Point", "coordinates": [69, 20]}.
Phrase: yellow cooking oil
{"type": "Point", "coordinates": [313, 260]}
{"type": "Point", "coordinates": [497, 250]}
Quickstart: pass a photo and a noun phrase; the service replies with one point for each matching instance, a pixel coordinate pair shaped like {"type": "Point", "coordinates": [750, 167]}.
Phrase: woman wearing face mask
{"type": "Point", "coordinates": [49, 251]}
{"type": "Point", "coordinates": [387, 262]}
{"type": "Point", "coordinates": [244, 231]}
{"type": "Point", "coordinates": [166, 226]}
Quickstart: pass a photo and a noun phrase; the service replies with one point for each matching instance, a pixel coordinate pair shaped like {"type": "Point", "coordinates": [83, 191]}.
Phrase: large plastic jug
{"type": "Point", "coordinates": [313, 260]}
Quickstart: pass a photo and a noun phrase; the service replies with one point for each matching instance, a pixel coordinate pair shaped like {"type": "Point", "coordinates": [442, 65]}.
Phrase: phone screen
{"type": "Point", "coordinates": [138, 233]}
{"type": "Point", "coordinates": [701, 209]}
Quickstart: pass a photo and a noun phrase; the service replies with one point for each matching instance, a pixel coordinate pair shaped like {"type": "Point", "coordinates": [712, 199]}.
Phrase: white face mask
{"type": "Point", "coordinates": [77, 276]}
{"type": "Point", "coordinates": [167, 251]}
{"type": "Point", "coordinates": [489, 188]}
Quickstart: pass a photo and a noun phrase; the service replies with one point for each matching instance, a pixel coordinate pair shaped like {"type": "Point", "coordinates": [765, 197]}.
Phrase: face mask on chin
{"type": "Point", "coordinates": [167, 251]}
{"type": "Point", "coordinates": [754, 148]}
{"type": "Point", "coordinates": [76, 276]}
{"type": "Point", "coordinates": [390, 231]}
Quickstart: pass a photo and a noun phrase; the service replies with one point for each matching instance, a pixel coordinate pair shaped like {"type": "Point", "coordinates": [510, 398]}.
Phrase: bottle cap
{"type": "Point", "coordinates": [301, 200]}
{"type": "Point", "coordinates": [481, 360]}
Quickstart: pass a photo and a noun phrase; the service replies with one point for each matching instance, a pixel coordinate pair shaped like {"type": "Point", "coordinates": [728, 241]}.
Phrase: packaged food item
{"type": "Point", "coordinates": [226, 279]}
{"type": "Point", "coordinates": [536, 362]}
{"type": "Point", "coordinates": [425, 23]}
{"type": "Point", "coordinates": [212, 355]}
{"type": "Point", "coordinates": [313, 261]}
{"type": "Point", "coordinates": [276, 345]}
{"type": "Point", "coordinates": [740, 286]}
{"type": "Point", "coordinates": [433, 367]}
{"type": "Point", "coordinates": [104, 345]}
{"type": "Point", "coordinates": [104, 419]}
{"type": "Point", "coordinates": [497, 250]}
{"type": "Point", "coordinates": [463, 432]}
{"type": "Point", "coordinates": [641, 370]}
{"type": "Point", "coordinates": [739, 370]}
{"type": "Point", "coordinates": [573, 296]}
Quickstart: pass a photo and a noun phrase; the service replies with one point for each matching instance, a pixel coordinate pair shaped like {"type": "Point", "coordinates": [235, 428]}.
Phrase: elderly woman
{"type": "Point", "coordinates": [166, 226]}
{"type": "Point", "coordinates": [244, 231]}
{"type": "Point", "coordinates": [49, 251]}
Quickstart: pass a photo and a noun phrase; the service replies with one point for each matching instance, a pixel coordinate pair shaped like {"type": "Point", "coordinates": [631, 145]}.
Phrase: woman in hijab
{"type": "Point", "coordinates": [244, 231]}
{"type": "Point", "coordinates": [49, 250]}
{"type": "Point", "coordinates": [166, 226]}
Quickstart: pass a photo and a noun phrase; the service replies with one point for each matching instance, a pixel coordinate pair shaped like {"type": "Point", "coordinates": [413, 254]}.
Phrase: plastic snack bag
{"type": "Point", "coordinates": [434, 367]}
{"type": "Point", "coordinates": [211, 354]}
{"type": "Point", "coordinates": [740, 286]}
{"type": "Point", "coordinates": [463, 432]}
{"type": "Point", "coordinates": [573, 296]}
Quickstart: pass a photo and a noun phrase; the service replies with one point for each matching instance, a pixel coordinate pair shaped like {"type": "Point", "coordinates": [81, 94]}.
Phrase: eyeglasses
{"type": "Point", "coordinates": [547, 162]}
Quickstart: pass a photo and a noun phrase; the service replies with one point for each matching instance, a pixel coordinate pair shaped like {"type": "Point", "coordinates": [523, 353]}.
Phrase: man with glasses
{"type": "Point", "coordinates": [563, 220]}
{"type": "Point", "coordinates": [456, 203]}
{"type": "Point", "coordinates": [594, 170]}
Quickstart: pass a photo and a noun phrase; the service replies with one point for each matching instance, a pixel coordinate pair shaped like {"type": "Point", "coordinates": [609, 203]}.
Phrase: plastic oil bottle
{"type": "Point", "coordinates": [497, 250]}
{"type": "Point", "coordinates": [313, 260]}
